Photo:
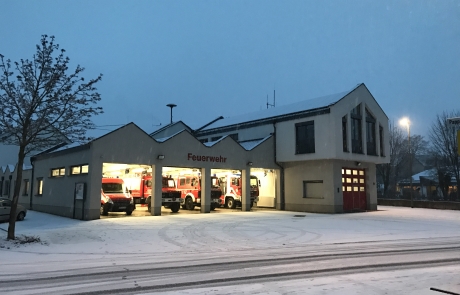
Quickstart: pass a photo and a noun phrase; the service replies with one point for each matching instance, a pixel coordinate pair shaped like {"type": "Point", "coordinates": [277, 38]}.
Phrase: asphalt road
{"type": "Point", "coordinates": [390, 251]}
{"type": "Point", "coordinates": [306, 262]}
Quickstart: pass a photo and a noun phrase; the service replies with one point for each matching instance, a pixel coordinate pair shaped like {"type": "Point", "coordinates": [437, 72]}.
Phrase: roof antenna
{"type": "Point", "coordinates": [171, 105]}
{"type": "Point", "coordinates": [269, 104]}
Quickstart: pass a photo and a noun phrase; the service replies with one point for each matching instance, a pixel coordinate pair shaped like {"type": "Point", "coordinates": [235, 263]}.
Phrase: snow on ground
{"type": "Point", "coordinates": [68, 243]}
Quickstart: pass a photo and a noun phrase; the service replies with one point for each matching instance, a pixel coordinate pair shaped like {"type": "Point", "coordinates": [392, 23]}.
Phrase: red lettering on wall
{"type": "Point", "coordinates": [202, 158]}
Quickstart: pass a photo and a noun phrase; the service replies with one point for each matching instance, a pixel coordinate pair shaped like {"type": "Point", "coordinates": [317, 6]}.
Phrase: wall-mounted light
{"type": "Point", "coordinates": [249, 163]}
{"type": "Point", "coordinates": [358, 163]}
{"type": "Point", "coordinates": [161, 157]}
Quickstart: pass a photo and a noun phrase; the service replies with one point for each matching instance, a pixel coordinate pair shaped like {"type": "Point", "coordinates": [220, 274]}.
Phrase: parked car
{"type": "Point", "coordinates": [5, 208]}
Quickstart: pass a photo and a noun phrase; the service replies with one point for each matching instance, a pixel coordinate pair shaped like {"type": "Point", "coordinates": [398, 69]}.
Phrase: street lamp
{"type": "Point", "coordinates": [406, 123]}
{"type": "Point", "coordinates": [171, 105]}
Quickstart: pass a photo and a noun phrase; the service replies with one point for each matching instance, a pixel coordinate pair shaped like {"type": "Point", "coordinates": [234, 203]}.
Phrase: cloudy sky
{"type": "Point", "coordinates": [215, 58]}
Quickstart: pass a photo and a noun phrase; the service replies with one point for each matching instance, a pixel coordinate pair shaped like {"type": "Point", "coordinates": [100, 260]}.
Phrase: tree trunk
{"type": "Point", "coordinates": [17, 188]}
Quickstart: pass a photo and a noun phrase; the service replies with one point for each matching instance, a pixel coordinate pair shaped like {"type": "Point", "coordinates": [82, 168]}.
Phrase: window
{"type": "Point", "coordinates": [305, 137]}
{"type": "Point", "coordinates": [234, 136]}
{"type": "Point", "coordinates": [382, 151]}
{"type": "Point", "coordinates": [26, 187]}
{"type": "Point", "coordinates": [313, 189]}
{"type": "Point", "coordinates": [57, 172]}
{"type": "Point", "coordinates": [39, 186]}
{"type": "Point", "coordinates": [203, 140]}
{"type": "Point", "coordinates": [344, 134]}
{"type": "Point", "coordinates": [80, 169]}
{"type": "Point", "coordinates": [356, 130]}
{"type": "Point", "coordinates": [215, 138]}
{"type": "Point", "coordinates": [370, 134]}
{"type": "Point", "coordinates": [6, 187]}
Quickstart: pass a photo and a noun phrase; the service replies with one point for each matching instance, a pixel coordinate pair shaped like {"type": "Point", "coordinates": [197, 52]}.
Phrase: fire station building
{"type": "Point", "coordinates": [317, 155]}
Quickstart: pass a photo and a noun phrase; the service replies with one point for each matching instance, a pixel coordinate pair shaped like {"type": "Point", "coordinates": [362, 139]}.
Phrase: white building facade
{"type": "Point", "coordinates": [317, 155]}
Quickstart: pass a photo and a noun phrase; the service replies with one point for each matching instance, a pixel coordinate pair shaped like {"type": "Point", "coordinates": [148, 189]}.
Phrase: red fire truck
{"type": "Point", "coordinates": [190, 188]}
{"type": "Point", "coordinates": [231, 190]}
{"type": "Point", "coordinates": [142, 191]}
{"type": "Point", "coordinates": [115, 197]}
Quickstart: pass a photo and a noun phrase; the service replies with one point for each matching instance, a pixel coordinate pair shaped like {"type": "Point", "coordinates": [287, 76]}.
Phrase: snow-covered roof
{"type": "Point", "coordinates": [425, 174]}
{"type": "Point", "coordinates": [211, 143]}
{"type": "Point", "coordinates": [10, 167]}
{"type": "Point", "coordinates": [251, 144]}
{"type": "Point", "coordinates": [302, 106]}
{"type": "Point", "coordinates": [163, 139]}
{"type": "Point", "coordinates": [169, 126]}
{"type": "Point", "coordinates": [67, 146]}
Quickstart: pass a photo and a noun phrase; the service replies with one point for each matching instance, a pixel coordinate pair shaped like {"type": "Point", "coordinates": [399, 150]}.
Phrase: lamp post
{"type": "Point", "coordinates": [171, 105]}
{"type": "Point", "coordinates": [405, 122]}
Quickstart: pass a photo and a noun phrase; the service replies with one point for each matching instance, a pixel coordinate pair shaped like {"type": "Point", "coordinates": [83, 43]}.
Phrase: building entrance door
{"type": "Point", "coordinates": [354, 190]}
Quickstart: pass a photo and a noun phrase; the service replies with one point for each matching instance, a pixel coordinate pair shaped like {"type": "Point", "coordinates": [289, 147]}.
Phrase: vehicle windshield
{"type": "Point", "coordinates": [214, 182]}
{"type": "Point", "coordinates": [112, 188]}
{"type": "Point", "coordinates": [169, 183]}
{"type": "Point", "coordinates": [254, 182]}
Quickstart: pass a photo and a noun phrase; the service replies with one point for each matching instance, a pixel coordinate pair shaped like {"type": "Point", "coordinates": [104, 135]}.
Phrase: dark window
{"type": "Point", "coordinates": [370, 134]}
{"type": "Point", "coordinates": [305, 137]}
{"type": "Point", "coordinates": [344, 134]}
{"type": "Point", "coordinates": [234, 136]}
{"type": "Point", "coordinates": [215, 138]}
{"type": "Point", "coordinates": [382, 151]}
{"type": "Point", "coordinates": [203, 140]}
{"type": "Point", "coordinates": [356, 130]}
{"type": "Point", "coordinates": [6, 188]}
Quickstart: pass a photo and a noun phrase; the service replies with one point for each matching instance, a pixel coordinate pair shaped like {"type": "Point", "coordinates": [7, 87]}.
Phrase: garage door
{"type": "Point", "coordinates": [354, 189]}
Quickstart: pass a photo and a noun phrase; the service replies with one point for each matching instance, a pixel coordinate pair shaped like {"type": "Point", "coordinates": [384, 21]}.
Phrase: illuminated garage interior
{"type": "Point", "coordinates": [133, 176]}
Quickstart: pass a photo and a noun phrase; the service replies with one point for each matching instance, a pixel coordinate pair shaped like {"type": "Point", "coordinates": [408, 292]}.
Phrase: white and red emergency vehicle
{"type": "Point", "coordinates": [141, 190]}
{"type": "Point", "coordinates": [115, 197]}
{"type": "Point", "coordinates": [190, 188]}
{"type": "Point", "coordinates": [231, 190]}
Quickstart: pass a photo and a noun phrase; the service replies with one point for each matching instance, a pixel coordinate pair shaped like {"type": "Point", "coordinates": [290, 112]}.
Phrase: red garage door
{"type": "Point", "coordinates": [354, 189]}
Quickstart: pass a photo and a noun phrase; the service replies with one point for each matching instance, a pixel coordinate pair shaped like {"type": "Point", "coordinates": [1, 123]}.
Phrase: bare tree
{"type": "Point", "coordinates": [444, 143]}
{"type": "Point", "coordinates": [41, 104]}
{"type": "Point", "coordinates": [390, 171]}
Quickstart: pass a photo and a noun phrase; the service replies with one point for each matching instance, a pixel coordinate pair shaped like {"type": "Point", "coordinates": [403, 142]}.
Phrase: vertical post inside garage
{"type": "Point", "coordinates": [246, 189]}
{"type": "Point", "coordinates": [205, 190]}
{"type": "Point", "coordinates": [157, 185]}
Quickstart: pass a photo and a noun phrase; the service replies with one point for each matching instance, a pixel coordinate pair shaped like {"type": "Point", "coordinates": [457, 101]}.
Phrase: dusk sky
{"type": "Point", "coordinates": [215, 58]}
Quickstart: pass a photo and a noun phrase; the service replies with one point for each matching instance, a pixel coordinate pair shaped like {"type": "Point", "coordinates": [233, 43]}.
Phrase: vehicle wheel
{"type": "Point", "coordinates": [21, 216]}
{"type": "Point", "coordinates": [104, 211]}
{"type": "Point", "coordinates": [174, 207]}
{"type": "Point", "coordinates": [184, 207]}
{"type": "Point", "coordinates": [129, 212]}
{"type": "Point", "coordinates": [213, 207]}
{"type": "Point", "coordinates": [252, 204]}
{"type": "Point", "coordinates": [189, 204]}
{"type": "Point", "coordinates": [230, 203]}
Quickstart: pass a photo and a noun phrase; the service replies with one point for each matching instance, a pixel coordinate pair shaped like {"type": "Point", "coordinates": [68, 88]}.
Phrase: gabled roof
{"type": "Point", "coordinates": [163, 139]}
{"type": "Point", "coordinates": [309, 105]}
{"type": "Point", "coordinates": [251, 144]}
{"type": "Point", "coordinates": [169, 126]}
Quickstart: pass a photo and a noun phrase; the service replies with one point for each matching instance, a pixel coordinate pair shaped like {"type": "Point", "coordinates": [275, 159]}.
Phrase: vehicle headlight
{"type": "Point", "coordinates": [131, 201]}
{"type": "Point", "coordinates": [108, 200]}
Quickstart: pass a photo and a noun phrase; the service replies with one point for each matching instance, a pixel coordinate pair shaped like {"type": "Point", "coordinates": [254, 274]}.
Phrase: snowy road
{"type": "Point", "coordinates": [392, 251]}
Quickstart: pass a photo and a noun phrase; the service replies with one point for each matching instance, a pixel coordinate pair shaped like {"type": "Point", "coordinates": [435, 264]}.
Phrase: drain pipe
{"type": "Point", "coordinates": [282, 199]}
